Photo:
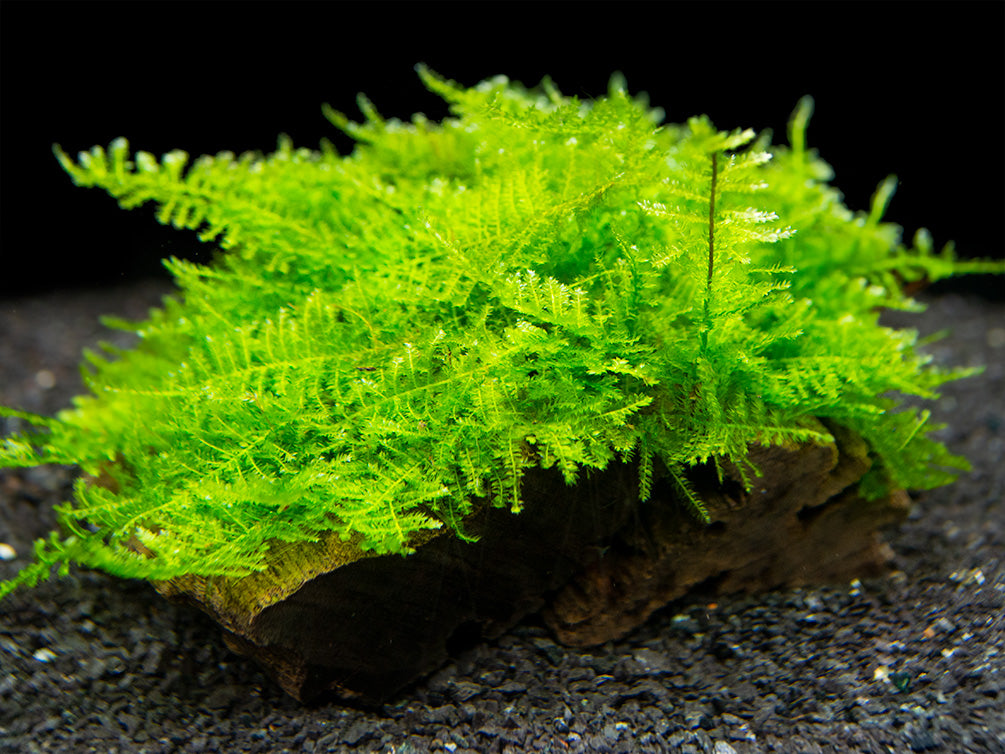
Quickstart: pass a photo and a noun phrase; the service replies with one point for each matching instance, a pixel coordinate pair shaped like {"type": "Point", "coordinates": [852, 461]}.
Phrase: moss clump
{"type": "Point", "coordinates": [393, 337]}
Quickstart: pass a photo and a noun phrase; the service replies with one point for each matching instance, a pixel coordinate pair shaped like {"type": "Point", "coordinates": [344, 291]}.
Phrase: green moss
{"type": "Point", "coordinates": [391, 338]}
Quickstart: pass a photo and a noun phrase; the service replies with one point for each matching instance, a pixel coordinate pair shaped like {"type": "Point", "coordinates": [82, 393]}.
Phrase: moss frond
{"type": "Point", "coordinates": [393, 338]}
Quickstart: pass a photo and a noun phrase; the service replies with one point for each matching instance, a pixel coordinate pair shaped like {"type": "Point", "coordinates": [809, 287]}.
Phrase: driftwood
{"type": "Point", "coordinates": [593, 559]}
{"type": "Point", "coordinates": [802, 523]}
{"type": "Point", "coordinates": [327, 616]}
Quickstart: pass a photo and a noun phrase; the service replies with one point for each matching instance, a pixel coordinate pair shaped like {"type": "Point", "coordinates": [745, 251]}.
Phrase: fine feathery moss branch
{"type": "Point", "coordinates": [394, 337]}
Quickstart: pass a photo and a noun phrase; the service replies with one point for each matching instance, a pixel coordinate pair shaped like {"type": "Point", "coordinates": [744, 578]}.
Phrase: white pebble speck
{"type": "Point", "coordinates": [45, 379]}
{"type": "Point", "coordinates": [44, 655]}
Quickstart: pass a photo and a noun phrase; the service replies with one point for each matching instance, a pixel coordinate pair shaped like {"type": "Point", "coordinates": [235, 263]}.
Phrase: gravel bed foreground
{"type": "Point", "coordinates": [910, 662]}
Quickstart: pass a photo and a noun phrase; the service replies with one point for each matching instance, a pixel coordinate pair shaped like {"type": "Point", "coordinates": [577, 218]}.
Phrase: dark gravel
{"type": "Point", "coordinates": [912, 662]}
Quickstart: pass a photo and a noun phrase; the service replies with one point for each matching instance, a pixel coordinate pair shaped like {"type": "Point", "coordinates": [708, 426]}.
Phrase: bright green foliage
{"type": "Point", "coordinates": [394, 337]}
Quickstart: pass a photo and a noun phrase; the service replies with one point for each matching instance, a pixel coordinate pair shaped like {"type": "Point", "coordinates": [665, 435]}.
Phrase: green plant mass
{"type": "Point", "coordinates": [389, 340]}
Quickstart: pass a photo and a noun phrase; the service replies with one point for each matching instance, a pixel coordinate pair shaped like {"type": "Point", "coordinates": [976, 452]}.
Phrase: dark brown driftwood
{"type": "Point", "coordinates": [327, 616]}
{"type": "Point", "coordinates": [802, 523]}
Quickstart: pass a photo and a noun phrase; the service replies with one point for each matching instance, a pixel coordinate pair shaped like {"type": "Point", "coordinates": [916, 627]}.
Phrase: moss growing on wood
{"type": "Point", "coordinates": [391, 339]}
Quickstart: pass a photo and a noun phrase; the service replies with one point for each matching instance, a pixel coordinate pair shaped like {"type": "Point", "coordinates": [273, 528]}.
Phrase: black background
{"type": "Point", "coordinates": [916, 89]}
